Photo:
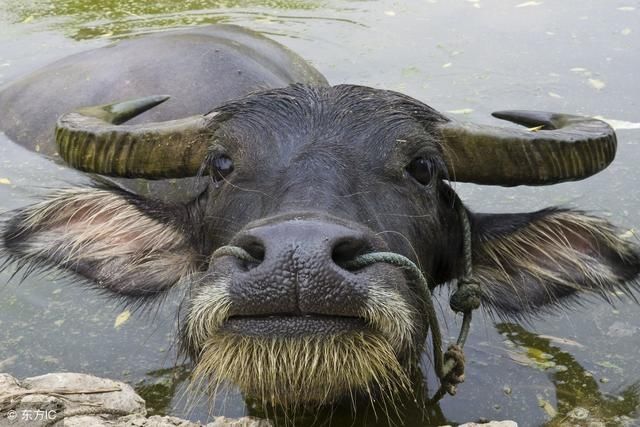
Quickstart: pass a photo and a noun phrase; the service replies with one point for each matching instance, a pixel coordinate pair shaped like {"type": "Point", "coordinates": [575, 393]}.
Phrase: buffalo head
{"type": "Point", "coordinates": [304, 180]}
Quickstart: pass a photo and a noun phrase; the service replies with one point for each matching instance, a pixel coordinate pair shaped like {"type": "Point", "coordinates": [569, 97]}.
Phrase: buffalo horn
{"type": "Point", "coordinates": [92, 140]}
{"type": "Point", "coordinates": [555, 148]}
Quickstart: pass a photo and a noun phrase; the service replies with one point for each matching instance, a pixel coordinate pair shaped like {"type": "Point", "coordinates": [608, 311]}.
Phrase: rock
{"type": "Point", "coordinates": [239, 422]}
{"type": "Point", "coordinates": [158, 421]}
{"type": "Point", "coordinates": [80, 400]}
{"type": "Point", "coordinates": [154, 421]}
{"type": "Point", "coordinates": [84, 421]}
{"type": "Point", "coordinates": [579, 413]}
{"type": "Point", "coordinates": [124, 399]}
{"type": "Point", "coordinates": [491, 424]}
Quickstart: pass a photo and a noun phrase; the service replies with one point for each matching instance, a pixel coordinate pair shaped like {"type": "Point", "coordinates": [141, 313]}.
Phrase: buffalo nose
{"type": "Point", "coordinates": [301, 268]}
{"type": "Point", "coordinates": [324, 242]}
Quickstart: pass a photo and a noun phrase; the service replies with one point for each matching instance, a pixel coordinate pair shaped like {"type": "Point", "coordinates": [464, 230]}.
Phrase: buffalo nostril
{"type": "Point", "coordinates": [346, 251]}
{"type": "Point", "coordinates": [255, 248]}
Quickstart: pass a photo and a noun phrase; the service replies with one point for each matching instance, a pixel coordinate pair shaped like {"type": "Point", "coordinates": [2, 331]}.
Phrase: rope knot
{"type": "Point", "coordinates": [455, 376]}
{"type": "Point", "coordinates": [467, 297]}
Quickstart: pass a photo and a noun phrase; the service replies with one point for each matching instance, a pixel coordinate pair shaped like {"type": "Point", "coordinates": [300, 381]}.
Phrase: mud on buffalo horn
{"type": "Point", "coordinates": [563, 148]}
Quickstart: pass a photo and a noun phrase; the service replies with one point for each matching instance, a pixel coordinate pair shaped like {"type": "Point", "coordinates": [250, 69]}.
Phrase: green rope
{"type": "Point", "coordinates": [464, 300]}
{"type": "Point", "coordinates": [235, 251]}
{"type": "Point", "coordinates": [416, 276]}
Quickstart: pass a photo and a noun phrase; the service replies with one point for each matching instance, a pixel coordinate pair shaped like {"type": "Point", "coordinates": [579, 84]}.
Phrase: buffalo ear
{"type": "Point", "coordinates": [118, 240]}
{"type": "Point", "coordinates": [527, 261]}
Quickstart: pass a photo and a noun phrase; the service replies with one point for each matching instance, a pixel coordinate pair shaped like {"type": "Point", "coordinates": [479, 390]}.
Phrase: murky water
{"type": "Point", "coordinates": [465, 57]}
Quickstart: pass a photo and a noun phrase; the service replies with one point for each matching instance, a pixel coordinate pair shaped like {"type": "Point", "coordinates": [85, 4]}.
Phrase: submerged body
{"type": "Point", "coordinates": [201, 68]}
{"type": "Point", "coordinates": [305, 179]}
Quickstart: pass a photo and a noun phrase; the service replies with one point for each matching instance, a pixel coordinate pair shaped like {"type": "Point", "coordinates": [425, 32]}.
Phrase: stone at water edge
{"type": "Point", "coordinates": [123, 400]}
{"type": "Point", "coordinates": [122, 406]}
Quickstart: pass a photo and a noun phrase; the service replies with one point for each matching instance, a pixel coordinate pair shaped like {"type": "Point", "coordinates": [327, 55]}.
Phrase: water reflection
{"type": "Point", "coordinates": [160, 387]}
{"type": "Point", "coordinates": [578, 396]}
{"type": "Point", "coordinates": [407, 410]}
{"type": "Point", "coordinates": [167, 390]}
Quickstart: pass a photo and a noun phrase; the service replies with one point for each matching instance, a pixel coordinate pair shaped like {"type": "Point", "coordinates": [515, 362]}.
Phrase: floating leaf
{"type": "Point", "coordinates": [447, 65]}
{"type": "Point", "coordinates": [410, 71]}
{"type": "Point", "coordinates": [597, 84]}
{"type": "Point", "coordinates": [533, 358]}
{"type": "Point", "coordinates": [390, 13]}
{"type": "Point", "coordinates": [547, 407]}
{"type": "Point", "coordinates": [582, 71]}
{"type": "Point", "coordinates": [50, 359]}
{"type": "Point", "coordinates": [5, 181]}
{"type": "Point", "coordinates": [538, 355]}
{"type": "Point", "coordinates": [554, 95]}
{"type": "Point", "coordinates": [608, 365]}
{"type": "Point", "coordinates": [122, 319]}
{"type": "Point", "coordinates": [529, 3]}
{"type": "Point", "coordinates": [519, 358]}
{"type": "Point", "coordinates": [461, 111]}
{"type": "Point", "coordinates": [559, 340]}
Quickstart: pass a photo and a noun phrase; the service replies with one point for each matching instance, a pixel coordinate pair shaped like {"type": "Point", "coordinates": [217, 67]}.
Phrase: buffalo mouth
{"type": "Point", "coordinates": [293, 325]}
{"type": "Point", "coordinates": [291, 358]}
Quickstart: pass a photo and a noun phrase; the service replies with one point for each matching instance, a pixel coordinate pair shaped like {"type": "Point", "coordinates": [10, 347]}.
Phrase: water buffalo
{"type": "Point", "coordinates": [301, 180]}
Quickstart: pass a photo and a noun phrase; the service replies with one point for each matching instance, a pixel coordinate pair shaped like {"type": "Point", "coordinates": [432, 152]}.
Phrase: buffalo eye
{"type": "Point", "coordinates": [423, 169]}
{"type": "Point", "coordinates": [221, 166]}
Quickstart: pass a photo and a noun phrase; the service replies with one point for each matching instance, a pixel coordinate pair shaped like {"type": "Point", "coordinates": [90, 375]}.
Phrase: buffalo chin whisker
{"type": "Point", "coordinates": [303, 371]}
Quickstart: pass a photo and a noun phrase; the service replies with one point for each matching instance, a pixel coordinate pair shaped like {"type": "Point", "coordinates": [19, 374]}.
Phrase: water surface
{"type": "Point", "coordinates": [468, 58]}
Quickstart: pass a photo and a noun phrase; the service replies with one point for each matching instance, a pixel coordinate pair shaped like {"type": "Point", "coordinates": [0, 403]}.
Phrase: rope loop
{"type": "Point", "coordinates": [467, 297]}
{"type": "Point", "coordinates": [234, 251]}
